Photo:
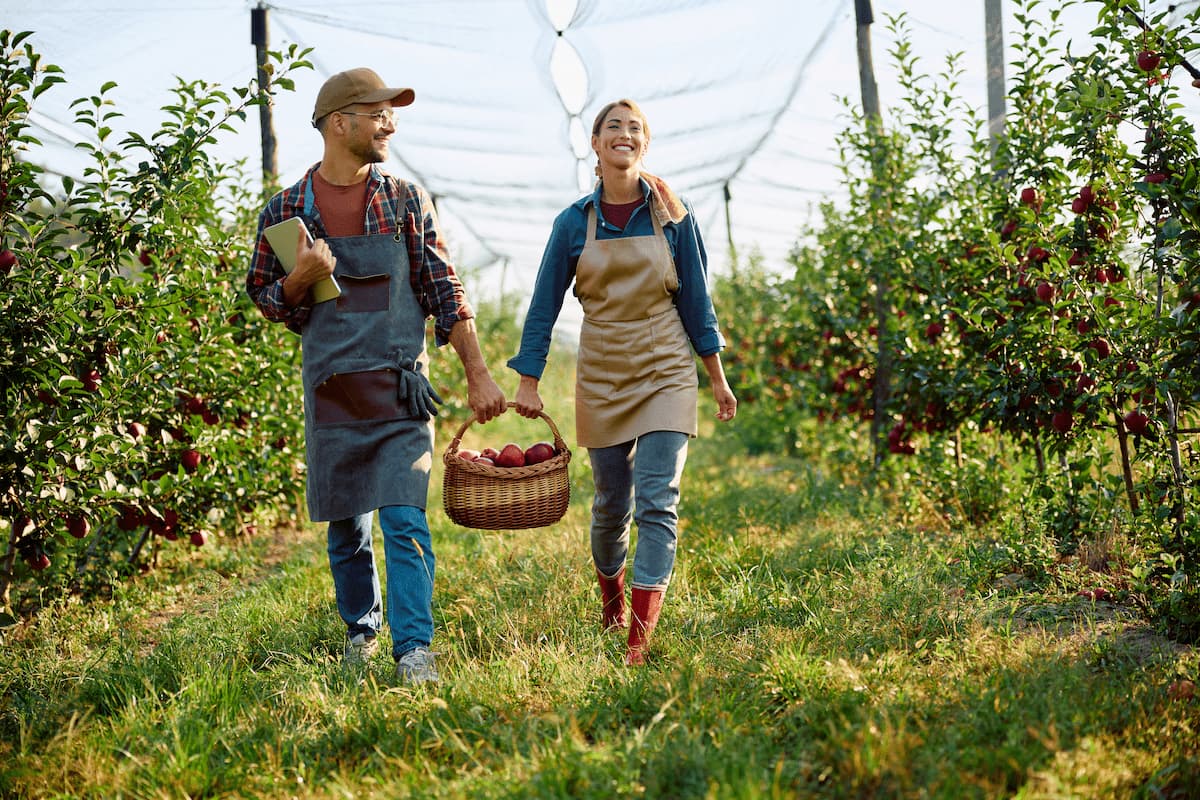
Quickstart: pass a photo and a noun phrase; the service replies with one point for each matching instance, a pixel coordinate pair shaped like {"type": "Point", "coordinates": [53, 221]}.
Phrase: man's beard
{"type": "Point", "coordinates": [368, 154]}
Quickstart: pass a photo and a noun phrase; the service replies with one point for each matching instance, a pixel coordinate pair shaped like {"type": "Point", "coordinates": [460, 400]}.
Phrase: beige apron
{"type": "Point", "coordinates": [635, 372]}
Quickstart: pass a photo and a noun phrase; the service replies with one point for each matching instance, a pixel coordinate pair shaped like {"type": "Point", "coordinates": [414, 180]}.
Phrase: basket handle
{"type": "Point", "coordinates": [559, 444]}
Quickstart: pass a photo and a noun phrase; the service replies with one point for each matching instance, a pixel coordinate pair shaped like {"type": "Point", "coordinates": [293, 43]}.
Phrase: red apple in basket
{"type": "Point", "coordinates": [467, 454]}
{"type": "Point", "coordinates": [538, 452]}
{"type": "Point", "coordinates": [485, 460]}
{"type": "Point", "coordinates": [489, 452]}
{"type": "Point", "coordinates": [511, 455]}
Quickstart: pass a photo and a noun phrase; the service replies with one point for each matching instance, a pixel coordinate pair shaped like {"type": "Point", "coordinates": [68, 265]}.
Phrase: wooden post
{"type": "Point", "coordinates": [260, 37]}
{"type": "Point", "coordinates": [993, 20]}
{"type": "Point", "coordinates": [729, 232]}
{"type": "Point", "coordinates": [863, 18]}
{"type": "Point", "coordinates": [874, 119]}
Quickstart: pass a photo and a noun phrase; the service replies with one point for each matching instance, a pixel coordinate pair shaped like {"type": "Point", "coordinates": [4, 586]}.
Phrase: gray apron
{"type": "Point", "coordinates": [363, 447]}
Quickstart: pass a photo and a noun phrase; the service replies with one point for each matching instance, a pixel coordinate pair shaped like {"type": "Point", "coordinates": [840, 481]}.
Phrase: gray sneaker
{"type": "Point", "coordinates": [360, 649]}
{"type": "Point", "coordinates": [417, 666]}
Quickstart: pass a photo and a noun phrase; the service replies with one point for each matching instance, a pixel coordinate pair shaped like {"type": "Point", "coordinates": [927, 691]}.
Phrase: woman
{"type": "Point", "coordinates": [635, 254]}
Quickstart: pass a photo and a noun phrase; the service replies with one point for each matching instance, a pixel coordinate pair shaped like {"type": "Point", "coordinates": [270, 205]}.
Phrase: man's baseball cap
{"type": "Point", "coordinates": [360, 85]}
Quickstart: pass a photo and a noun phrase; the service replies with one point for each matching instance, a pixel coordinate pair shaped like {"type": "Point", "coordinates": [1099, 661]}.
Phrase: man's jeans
{"type": "Point", "coordinates": [638, 480]}
{"type": "Point", "coordinates": [409, 563]}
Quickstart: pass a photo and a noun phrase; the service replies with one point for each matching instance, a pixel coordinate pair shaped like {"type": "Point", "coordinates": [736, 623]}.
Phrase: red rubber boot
{"type": "Point", "coordinates": [646, 605]}
{"type": "Point", "coordinates": [612, 595]}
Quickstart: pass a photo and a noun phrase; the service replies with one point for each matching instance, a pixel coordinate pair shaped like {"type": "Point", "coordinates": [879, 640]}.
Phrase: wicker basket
{"type": "Point", "coordinates": [506, 498]}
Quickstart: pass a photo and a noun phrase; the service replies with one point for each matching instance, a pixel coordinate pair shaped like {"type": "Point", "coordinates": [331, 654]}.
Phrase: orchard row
{"type": "Point", "coordinates": [1042, 286]}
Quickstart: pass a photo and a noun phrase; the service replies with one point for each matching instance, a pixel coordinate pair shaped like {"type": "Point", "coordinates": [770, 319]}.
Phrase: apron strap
{"type": "Point", "coordinates": [591, 225]}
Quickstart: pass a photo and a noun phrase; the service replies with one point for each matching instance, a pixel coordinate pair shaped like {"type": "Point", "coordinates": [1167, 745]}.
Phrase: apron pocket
{"type": "Point", "coordinates": [358, 397]}
{"type": "Point", "coordinates": [594, 375]}
{"type": "Point", "coordinates": [366, 293]}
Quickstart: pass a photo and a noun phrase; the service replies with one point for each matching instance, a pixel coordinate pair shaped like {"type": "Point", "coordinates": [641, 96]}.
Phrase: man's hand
{"type": "Point", "coordinates": [483, 395]}
{"type": "Point", "coordinates": [314, 263]}
{"type": "Point", "coordinates": [486, 398]}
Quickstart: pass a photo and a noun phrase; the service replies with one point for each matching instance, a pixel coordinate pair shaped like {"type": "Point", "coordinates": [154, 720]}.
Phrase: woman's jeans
{"type": "Point", "coordinates": [638, 480]}
{"type": "Point", "coordinates": [409, 562]}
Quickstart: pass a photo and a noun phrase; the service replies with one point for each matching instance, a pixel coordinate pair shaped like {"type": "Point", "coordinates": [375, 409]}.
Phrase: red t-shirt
{"type": "Point", "coordinates": [343, 208]}
{"type": "Point", "coordinates": [619, 213]}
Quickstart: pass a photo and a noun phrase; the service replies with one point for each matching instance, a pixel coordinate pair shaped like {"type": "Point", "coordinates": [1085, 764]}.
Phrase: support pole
{"type": "Point", "coordinates": [729, 230]}
{"type": "Point", "coordinates": [874, 120]}
{"type": "Point", "coordinates": [864, 17]}
{"type": "Point", "coordinates": [260, 38]}
{"type": "Point", "coordinates": [993, 20]}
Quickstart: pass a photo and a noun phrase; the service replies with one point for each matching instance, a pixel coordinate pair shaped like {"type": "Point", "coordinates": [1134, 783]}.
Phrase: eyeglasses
{"type": "Point", "coordinates": [382, 116]}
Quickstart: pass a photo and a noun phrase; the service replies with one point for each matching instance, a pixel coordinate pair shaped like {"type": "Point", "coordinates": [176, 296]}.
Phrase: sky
{"type": "Point", "coordinates": [744, 97]}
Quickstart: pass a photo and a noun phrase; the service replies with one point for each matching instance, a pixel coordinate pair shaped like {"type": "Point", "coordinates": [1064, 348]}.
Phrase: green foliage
{"type": "Point", "coordinates": [1037, 288]}
{"type": "Point", "coordinates": [143, 392]}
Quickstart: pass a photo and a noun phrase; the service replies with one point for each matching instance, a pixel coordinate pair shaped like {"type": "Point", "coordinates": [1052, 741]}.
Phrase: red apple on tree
{"type": "Point", "coordinates": [198, 538]}
{"type": "Point", "coordinates": [130, 518]}
{"type": "Point", "coordinates": [165, 526]}
{"type": "Point", "coordinates": [1136, 422]}
{"type": "Point", "coordinates": [1037, 254]}
{"type": "Point", "coordinates": [1045, 291]}
{"type": "Point", "coordinates": [137, 430]}
{"type": "Point", "coordinates": [78, 525]}
{"type": "Point", "coordinates": [8, 260]}
{"type": "Point", "coordinates": [195, 405]}
{"type": "Point", "coordinates": [91, 380]}
{"type": "Point", "coordinates": [1156, 177]}
{"type": "Point", "coordinates": [190, 459]}
{"type": "Point", "coordinates": [1062, 421]}
{"type": "Point", "coordinates": [1030, 196]}
{"type": "Point", "coordinates": [38, 560]}
{"type": "Point", "coordinates": [1148, 60]}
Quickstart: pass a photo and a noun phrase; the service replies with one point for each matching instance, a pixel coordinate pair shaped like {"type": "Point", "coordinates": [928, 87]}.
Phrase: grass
{"type": "Point", "coordinates": [814, 644]}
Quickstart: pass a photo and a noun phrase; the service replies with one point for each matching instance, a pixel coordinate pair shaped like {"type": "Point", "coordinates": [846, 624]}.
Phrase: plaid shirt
{"type": "Point", "coordinates": [434, 281]}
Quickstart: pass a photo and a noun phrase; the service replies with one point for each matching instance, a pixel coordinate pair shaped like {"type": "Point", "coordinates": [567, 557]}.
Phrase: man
{"type": "Point", "coordinates": [367, 398]}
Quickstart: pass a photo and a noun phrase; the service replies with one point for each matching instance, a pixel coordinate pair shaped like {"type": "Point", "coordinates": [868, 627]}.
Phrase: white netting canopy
{"type": "Point", "coordinates": [742, 96]}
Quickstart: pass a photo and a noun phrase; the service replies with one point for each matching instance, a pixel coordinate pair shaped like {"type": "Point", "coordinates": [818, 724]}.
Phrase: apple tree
{"type": "Point", "coordinates": [146, 400]}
